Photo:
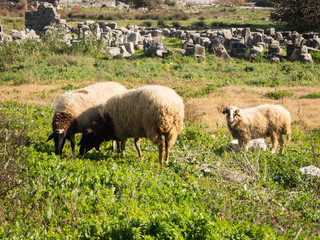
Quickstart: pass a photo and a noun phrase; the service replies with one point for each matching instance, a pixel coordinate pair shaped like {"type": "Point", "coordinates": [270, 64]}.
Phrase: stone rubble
{"type": "Point", "coordinates": [237, 41]}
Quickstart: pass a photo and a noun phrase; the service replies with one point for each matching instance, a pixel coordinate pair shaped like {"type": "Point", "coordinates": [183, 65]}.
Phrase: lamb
{"type": "Point", "coordinates": [259, 122]}
{"type": "Point", "coordinates": [75, 110]}
{"type": "Point", "coordinates": [147, 112]}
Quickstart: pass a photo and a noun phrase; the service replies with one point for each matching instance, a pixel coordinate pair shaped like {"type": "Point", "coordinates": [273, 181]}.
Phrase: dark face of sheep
{"type": "Point", "coordinates": [102, 129]}
{"type": "Point", "coordinates": [89, 141]}
{"type": "Point", "coordinates": [59, 141]}
{"type": "Point", "coordinates": [232, 113]}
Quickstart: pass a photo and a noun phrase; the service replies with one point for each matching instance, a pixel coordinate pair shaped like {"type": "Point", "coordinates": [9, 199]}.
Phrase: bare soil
{"type": "Point", "coordinates": [304, 112]}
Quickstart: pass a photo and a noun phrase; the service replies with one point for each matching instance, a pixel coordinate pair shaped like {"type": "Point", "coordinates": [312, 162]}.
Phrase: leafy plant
{"type": "Point", "coordinates": [278, 94]}
{"type": "Point", "coordinates": [311, 95]}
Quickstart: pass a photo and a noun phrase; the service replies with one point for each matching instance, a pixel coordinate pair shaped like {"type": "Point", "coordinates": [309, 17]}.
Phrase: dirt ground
{"type": "Point", "coordinates": [305, 113]}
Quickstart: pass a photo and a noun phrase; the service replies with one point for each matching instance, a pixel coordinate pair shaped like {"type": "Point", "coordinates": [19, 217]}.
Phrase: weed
{"type": "Point", "coordinates": [278, 94]}
{"type": "Point", "coordinates": [311, 95]}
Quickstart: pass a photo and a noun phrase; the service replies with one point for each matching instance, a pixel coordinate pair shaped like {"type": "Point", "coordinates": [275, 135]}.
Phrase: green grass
{"type": "Point", "coordinates": [105, 196]}
{"type": "Point", "coordinates": [205, 192]}
{"type": "Point", "coordinates": [172, 43]}
{"type": "Point", "coordinates": [52, 62]}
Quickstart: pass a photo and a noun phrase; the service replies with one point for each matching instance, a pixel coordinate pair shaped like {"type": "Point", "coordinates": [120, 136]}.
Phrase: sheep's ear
{"type": "Point", "coordinates": [225, 110]}
{"type": "Point", "coordinates": [50, 137]}
{"type": "Point", "coordinates": [236, 112]}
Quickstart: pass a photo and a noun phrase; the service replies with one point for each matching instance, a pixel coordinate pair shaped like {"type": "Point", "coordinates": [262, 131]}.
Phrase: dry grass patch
{"type": "Point", "coordinates": [304, 112]}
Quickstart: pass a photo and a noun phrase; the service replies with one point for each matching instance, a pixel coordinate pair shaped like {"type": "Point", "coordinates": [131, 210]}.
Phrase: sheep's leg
{"type": "Point", "coordinates": [170, 139]}
{"type": "Point", "coordinates": [137, 144]}
{"type": "Point", "coordinates": [113, 147]}
{"type": "Point", "coordinates": [280, 139]}
{"type": "Point", "coordinates": [156, 138]}
{"type": "Point", "coordinates": [160, 144]}
{"type": "Point", "coordinates": [274, 141]}
{"type": "Point", "coordinates": [118, 146]}
{"type": "Point", "coordinates": [123, 146]}
{"type": "Point", "coordinates": [161, 150]}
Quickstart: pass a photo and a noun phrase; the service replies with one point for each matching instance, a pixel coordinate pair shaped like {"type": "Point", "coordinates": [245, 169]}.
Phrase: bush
{"type": "Point", "coordinates": [199, 24]}
{"type": "Point", "coordinates": [13, 137]}
{"type": "Point", "coordinates": [150, 4]}
{"type": "Point", "coordinates": [278, 94]}
{"type": "Point", "coordinates": [176, 24]}
{"type": "Point", "coordinates": [161, 23]}
{"type": "Point", "coordinates": [147, 24]}
{"type": "Point", "coordinates": [311, 95]}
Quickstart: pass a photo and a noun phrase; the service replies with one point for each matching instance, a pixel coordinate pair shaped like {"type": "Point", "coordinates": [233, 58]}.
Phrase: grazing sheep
{"type": "Point", "coordinates": [259, 122]}
{"type": "Point", "coordinates": [150, 112]}
{"type": "Point", "coordinates": [75, 110]}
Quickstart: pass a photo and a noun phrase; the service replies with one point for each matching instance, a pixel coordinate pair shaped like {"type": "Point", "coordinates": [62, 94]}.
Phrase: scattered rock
{"type": "Point", "coordinates": [253, 144]}
{"type": "Point", "coordinates": [310, 171]}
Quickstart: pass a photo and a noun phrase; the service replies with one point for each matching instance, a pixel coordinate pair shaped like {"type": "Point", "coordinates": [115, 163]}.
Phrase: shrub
{"type": "Point", "coordinates": [150, 4]}
{"type": "Point", "coordinates": [176, 24]}
{"type": "Point", "coordinates": [311, 95]}
{"type": "Point", "coordinates": [199, 24]}
{"type": "Point", "coordinates": [13, 137]}
{"type": "Point", "coordinates": [147, 24]}
{"type": "Point", "coordinates": [161, 23]}
{"type": "Point", "coordinates": [315, 56]}
{"type": "Point", "coordinates": [278, 94]}
{"type": "Point", "coordinates": [171, 3]}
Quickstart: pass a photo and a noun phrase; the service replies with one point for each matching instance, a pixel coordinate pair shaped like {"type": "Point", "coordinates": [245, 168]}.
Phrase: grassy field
{"type": "Point", "coordinates": [206, 192]}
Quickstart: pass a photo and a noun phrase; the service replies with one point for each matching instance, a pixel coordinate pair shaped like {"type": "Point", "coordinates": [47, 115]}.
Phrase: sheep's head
{"type": "Point", "coordinates": [64, 126]}
{"type": "Point", "coordinates": [59, 136]}
{"type": "Point", "coordinates": [233, 115]}
{"type": "Point", "coordinates": [88, 141]}
{"type": "Point", "coordinates": [100, 130]}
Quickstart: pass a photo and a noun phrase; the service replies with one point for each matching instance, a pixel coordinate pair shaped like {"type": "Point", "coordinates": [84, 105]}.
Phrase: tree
{"type": "Point", "coordinates": [303, 15]}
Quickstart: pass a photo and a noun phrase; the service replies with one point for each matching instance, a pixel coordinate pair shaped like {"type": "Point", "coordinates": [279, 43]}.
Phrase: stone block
{"type": "Point", "coordinates": [190, 49]}
{"type": "Point", "coordinates": [114, 51]}
{"type": "Point", "coordinates": [238, 50]}
{"type": "Point", "coordinates": [200, 52]}
{"type": "Point", "coordinates": [129, 47]}
{"type": "Point", "coordinates": [306, 58]}
{"type": "Point", "coordinates": [112, 25]}
{"type": "Point", "coordinates": [253, 144]}
{"type": "Point", "coordinates": [133, 37]}
{"type": "Point", "coordinates": [310, 171]}
{"type": "Point", "coordinates": [274, 49]}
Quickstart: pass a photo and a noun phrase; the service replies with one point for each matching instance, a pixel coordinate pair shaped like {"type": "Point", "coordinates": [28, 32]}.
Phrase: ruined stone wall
{"type": "Point", "coordinates": [45, 15]}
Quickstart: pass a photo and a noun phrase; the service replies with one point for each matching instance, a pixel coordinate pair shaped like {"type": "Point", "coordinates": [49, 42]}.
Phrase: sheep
{"type": "Point", "coordinates": [75, 110]}
{"type": "Point", "coordinates": [147, 112]}
{"type": "Point", "coordinates": [259, 122]}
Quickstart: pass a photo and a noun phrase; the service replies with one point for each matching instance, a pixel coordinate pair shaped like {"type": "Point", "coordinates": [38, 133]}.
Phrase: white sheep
{"type": "Point", "coordinates": [259, 122]}
{"type": "Point", "coordinates": [147, 112]}
{"type": "Point", "coordinates": [75, 110]}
